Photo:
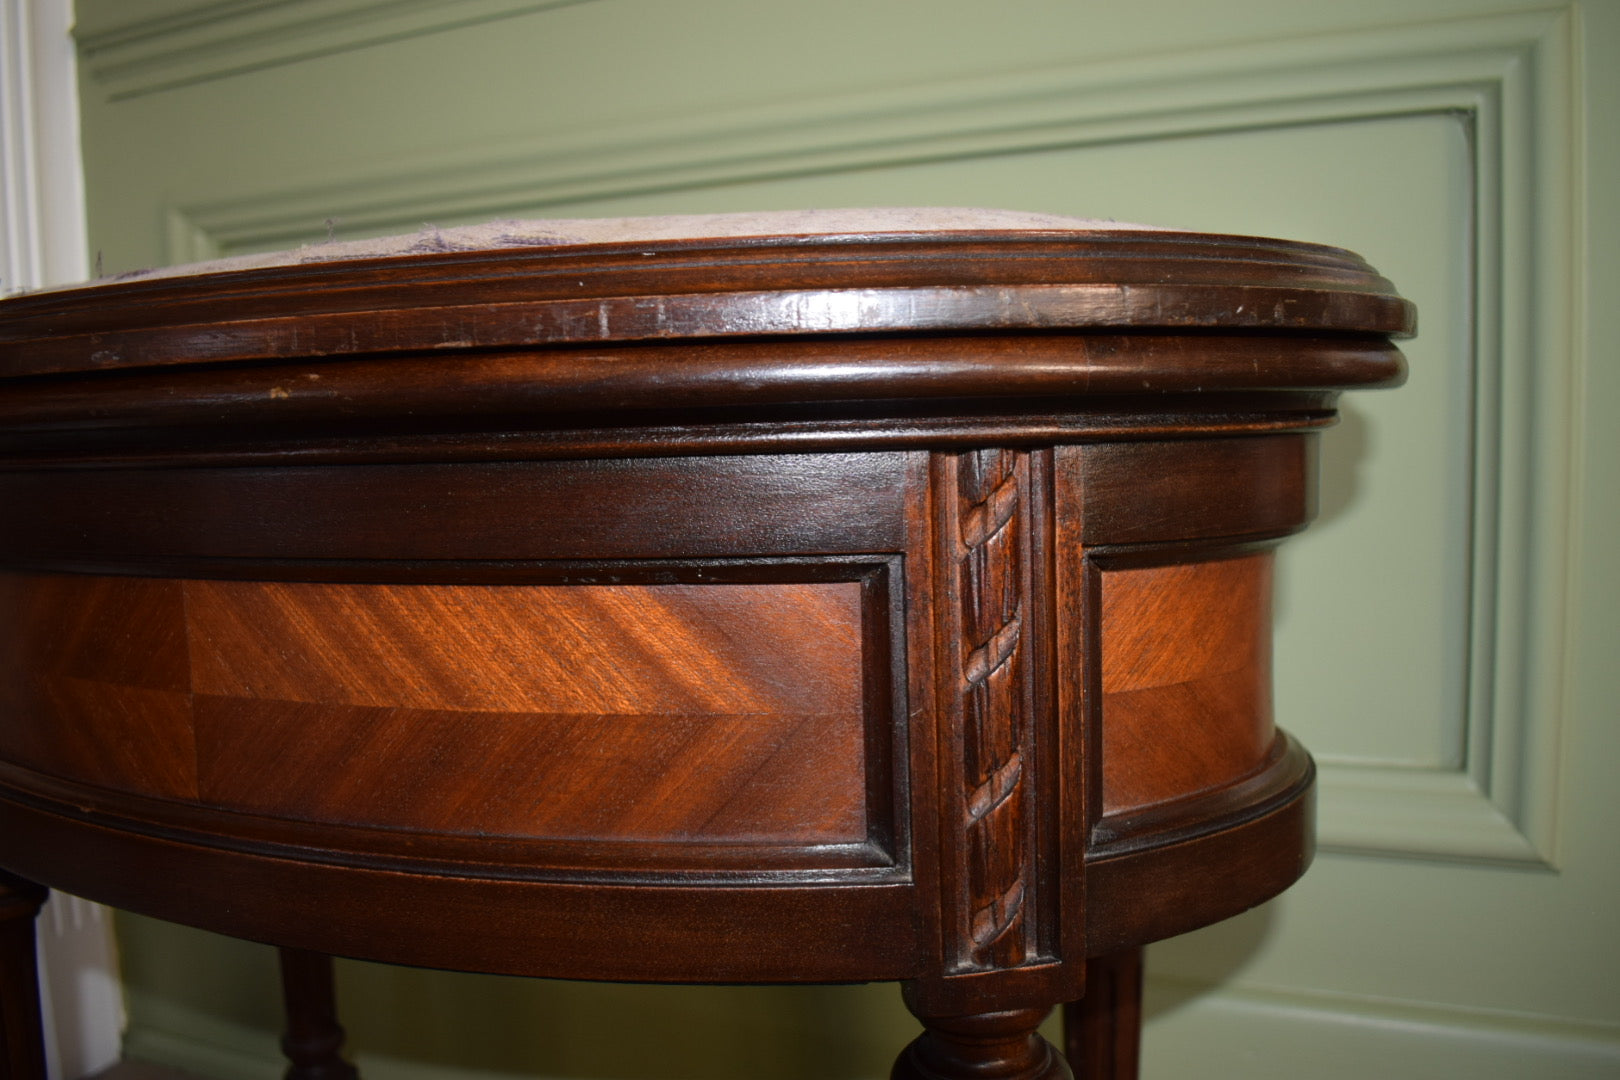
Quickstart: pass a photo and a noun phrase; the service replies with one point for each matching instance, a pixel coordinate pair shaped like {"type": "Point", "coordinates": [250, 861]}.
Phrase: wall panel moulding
{"type": "Point", "coordinates": [132, 49]}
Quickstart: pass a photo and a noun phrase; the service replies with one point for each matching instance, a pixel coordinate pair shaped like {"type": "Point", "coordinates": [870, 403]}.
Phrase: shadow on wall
{"type": "Point", "coordinates": [543, 1027]}
{"type": "Point", "coordinates": [189, 985]}
{"type": "Point", "coordinates": [409, 1023]}
{"type": "Point", "coordinates": [1204, 960]}
{"type": "Point", "coordinates": [1344, 449]}
{"type": "Point", "coordinates": [1342, 453]}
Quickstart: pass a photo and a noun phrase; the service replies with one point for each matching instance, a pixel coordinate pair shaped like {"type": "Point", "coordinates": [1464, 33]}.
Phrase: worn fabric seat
{"type": "Point", "coordinates": [557, 232]}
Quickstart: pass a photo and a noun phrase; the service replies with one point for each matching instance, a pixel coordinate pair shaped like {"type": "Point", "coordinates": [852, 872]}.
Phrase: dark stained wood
{"type": "Point", "coordinates": [916, 424]}
{"type": "Point", "coordinates": [693, 507]}
{"type": "Point", "coordinates": [1202, 860]}
{"type": "Point", "coordinates": [1158, 492]}
{"type": "Point", "coordinates": [544, 386]}
{"type": "Point", "coordinates": [795, 396]}
{"type": "Point", "coordinates": [773, 609]}
{"type": "Point", "coordinates": [878, 857]}
{"type": "Point", "coordinates": [565, 352]}
{"type": "Point", "coordinates": [999, 1044]}
{"type": "Point", "coordinates": [746, 312]}
{"type": "Point", "coordinates": [672, 925]}
{"type": "Point", "coordinates": [1102, 1032]}
{"type": "Point", "coordinates": [991, 699]}
{"type": "Point", "coordinates": [22, 1043]}
{"type": "Point", "coordinates": [702, 289]}
{"type": "Point", "coordinates": [313, 1041]}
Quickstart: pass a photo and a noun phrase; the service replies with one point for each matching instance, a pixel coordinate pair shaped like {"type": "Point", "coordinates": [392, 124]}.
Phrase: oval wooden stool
{"type": "Point", "coordinates": [826, 598]}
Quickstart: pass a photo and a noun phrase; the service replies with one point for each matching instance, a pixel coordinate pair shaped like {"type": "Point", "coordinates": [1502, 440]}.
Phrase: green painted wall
{"type": "Point", "coordinates": [1444, 631]}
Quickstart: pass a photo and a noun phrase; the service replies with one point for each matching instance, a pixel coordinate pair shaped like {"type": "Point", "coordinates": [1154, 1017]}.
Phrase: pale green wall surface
{"type": "Point", "coordinates": [1445, 630]}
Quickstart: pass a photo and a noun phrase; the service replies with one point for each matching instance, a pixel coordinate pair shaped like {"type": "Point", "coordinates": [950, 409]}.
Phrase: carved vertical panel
{"type": "Point", "coordinates": [985, 525]}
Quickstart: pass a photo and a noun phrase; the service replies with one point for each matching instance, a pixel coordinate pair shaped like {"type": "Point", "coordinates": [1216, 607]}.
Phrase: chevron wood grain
{"type": "Point", "coordinates": [104, 658]}
{"type": "Point", "coordinates": [622, 712]}
{"type": "Point", "coordinates": [1186, 678]}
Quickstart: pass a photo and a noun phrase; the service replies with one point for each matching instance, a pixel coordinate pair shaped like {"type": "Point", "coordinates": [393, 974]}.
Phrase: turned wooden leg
{"type": "Point", "coordinates": [314, 1038]}
{"type": "Point", "coordinates": [1102, 1032]}
{"type": "Point", "coordinates": [1000, 1045]}
{"type": "Point", "coordinates": [22, 1032]}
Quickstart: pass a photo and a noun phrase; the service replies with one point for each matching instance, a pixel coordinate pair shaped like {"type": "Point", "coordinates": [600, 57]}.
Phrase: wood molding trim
{"type": "Point", "coordinates": [1300, 1030]}
{"type": "Point", "coordinates": [1453, 67]}
{"type": "Point", "coordinates": [136, 49]}
{"type": "Point", "coordinates": [1498, 802]}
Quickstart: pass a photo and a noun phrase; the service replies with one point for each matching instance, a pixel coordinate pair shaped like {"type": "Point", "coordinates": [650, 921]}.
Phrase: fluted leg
{"type": "Point", "coordinates": [1102, 1032]}
{"type": "Point", "coordinates": [22, 1034]}
{"type": "Point", "coordinates": [314, 1039]}
{"type": "Point", "coordinates": [999, 1045]}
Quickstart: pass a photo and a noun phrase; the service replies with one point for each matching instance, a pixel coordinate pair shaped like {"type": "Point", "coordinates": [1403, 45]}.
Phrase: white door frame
{"type": "Point", "coordinates": [42, 242]}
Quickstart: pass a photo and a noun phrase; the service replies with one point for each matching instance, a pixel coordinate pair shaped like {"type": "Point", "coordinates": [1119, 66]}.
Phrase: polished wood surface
{"type": "Point", "coordinates": [776, 609]}
{"type": "Point", "coordinates": [22, 1043]}
{"type": "Point", "coordinates": [313, 1041]}
{"type": "Point", "coordinates": [999, 1043]}
{"type": "Point", "coordinates": [1195, 716]}
{"type": "Point", "coordinates": [1102, 1032]}
{"type": "Point", "coordinates": [707, 290]}
{"type": "Point", "coordinates": [462, 703]}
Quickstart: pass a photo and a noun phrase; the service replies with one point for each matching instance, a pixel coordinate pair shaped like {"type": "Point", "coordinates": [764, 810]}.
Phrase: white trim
{"type": "Point", "coordinates": [41, 173]}
{"type": "Point", "coordinates": [1195, 1029]}
{"type": "Point", "coordinates": [1500, 805]}
{"type": "Point", "coordinates": [79, 988]}
{"type": "Point", "coordinates": [42, 242]}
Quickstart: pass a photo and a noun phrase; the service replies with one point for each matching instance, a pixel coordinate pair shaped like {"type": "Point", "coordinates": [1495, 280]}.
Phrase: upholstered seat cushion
{"type": "Point", "coordinates": [541, 232]}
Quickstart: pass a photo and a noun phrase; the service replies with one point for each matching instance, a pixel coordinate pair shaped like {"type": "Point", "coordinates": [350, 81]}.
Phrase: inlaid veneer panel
{"type": "Point", "coordinates": [628, 711]}
{"type": "Point", "coordinates": [94, 681]}
{"type": "Point", "coordinates": [105, 629]}
{"type": "Point", "coordinates": [1186, 678]}
{"type": "Point", "coordinates": [649, 777]}
{"type": "Point", "coordinates": [735, 648]}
